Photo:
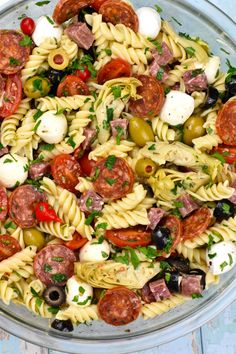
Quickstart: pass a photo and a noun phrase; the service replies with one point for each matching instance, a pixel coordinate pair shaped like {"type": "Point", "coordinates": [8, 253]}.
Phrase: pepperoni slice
{"type": "Point", "coordinates": [12, 96]}
{"type": "Point", "coordinates": [3, 204]}
{"type": "Point", "coordinates": [153, 98]}
{"type": "Point", "coordinates": [174, 224]}
{"type": "Point", "coordinates": [196, 223]}
{"type": "Point", "coordinates": [54, 264]}
{"type": "Point", "coordinates": [119, 306]}
{"type": "Point", "coordinates": [13, 55]}
{"type": "Point", "coordinates": [8, 246]}
{"type": "Point", "coordinates": [116, 12]}
{"type": "Point", "coordinates": [226, 123]}
{"type": "Point", "coordinates": [66, 9]}
{"type": "Point", "coordinates": [22, 204]}
{"type": "Point", "coordinates": [114, 177]}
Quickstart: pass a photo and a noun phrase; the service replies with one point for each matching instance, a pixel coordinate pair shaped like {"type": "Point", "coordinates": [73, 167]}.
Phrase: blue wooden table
{"type": "Point", "coordinates": [216, 337]}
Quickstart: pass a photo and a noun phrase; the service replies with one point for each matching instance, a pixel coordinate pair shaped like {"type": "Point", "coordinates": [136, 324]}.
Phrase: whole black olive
{"type": "Point", "coordinates": [54, 295]}
{"type": "Point", "coordinates": [86, 10]}
{"type": "Point", "coordinates": [179, 264]}
{"type": "Point", "coordinates": [161, 237]}
{"type": "Point", "coordinates": [212, 97]}
{"type": "Point", "coordinates": [63, 326]}
{"type": "Point", "coordinates": [172, 281]}
{"type": "Point", "coordinates": [231, 85]}
{"type": "Point", "coordinates": [225, 96]}
{"type": "Point", "coordinates": [224, 210]}
{"type": "Point", "coordinates": [55, 77]}
{"type": "Point", "coordinates": [197, 271]}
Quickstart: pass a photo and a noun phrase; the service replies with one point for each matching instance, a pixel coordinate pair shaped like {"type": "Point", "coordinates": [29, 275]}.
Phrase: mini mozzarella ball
{"type": "Point", "coordinates": [212, 68]}
{"type": "Point", "coordinates": [52, 127]}
{"type": "Point", "coordinates": [94, 251]}
{"type": "Point", "coordinates": [149, 22]}
{"type": "Point", "coordinates": [221, 257]}
{"type": "Point", "coordinates": [46, 28]}
{"type": "Point", "coordinates": [13, 170]}
{"type": "Point", "coordinates": [78, 293]}
{"type": "Point", "coordinates": [178, 107]}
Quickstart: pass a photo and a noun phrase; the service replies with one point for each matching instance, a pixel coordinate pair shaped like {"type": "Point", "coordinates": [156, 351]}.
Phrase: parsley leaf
{"type": "Point", "coordinates": [196, 295]}
{"type": "Point", "coordinates": [190, 51]}
{"type": "Point", "coordinates": [26, 41]}
{"type": "Point", "coordinates": [219, 157]}
{"type": "Point", "coordinates": [156, 44]}
{"type": "Point", "coordinates": [116, 90]}
{"type": "Point", "coordinates": [42, 3]}
{"type": "Point", "coordinates": [110, 162]}
{"type": "Point", "coordinates": [120, 133]}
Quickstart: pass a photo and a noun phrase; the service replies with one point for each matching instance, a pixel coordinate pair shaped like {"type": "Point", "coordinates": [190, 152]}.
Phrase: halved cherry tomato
{"type": "Point", "coordinates": [27, 25]}
{"type": "Point", "coordinates": [12, 96]}
{"type": "Point", "coordinates": [131, 237]}
{"type": "Point", "coordinates": [65, 171]}
{"type": "Point", "coordinates": [77, 242]}
{"type": "Point", "coordinates": [97, 4]}
{"type": "Point", "coordinates": [72, 85]}
{"type": "Point", "coordinates": [8, 246]}
{"type": "Point", "coordinates": [83, 73]}
{"type": "Point", "coordinates": [115, 68]}
{"type": "Point", "coordinates": [3, 204]}
{"type": "Point", "coordinates": [228, 153]}
{"type": "Point", "coordinates": [86, 164]}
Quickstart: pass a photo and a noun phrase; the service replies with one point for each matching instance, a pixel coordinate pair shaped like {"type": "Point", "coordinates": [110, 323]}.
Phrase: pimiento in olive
{"type": "Point", "coordinates": [54, 295]}
{"type": "Point", "coordinates": [179, 264]}
{"type": "Point", "coordinates": [211, 98]}
{"type": "Point", "coordinates": [145, 167]}
{"type": "Point", "coordinates": [231, 85]}
{"type": "Point", "coordinates": [63, 326]}
{"type": "Point", "coordinates": [86, 10]}
{"type": "Point", "coordinates": [161, 237]}
{"type": "Point", "coordinates": [197, 271]}
{"type": "Point", "coordinates": [172, 281]}
{"type": "Point", "coordinates": [224, 210]}
{"type": "Point", "coordinates": [58, 59]}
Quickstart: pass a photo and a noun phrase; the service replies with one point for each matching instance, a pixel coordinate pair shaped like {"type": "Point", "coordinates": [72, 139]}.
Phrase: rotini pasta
{"type": "Point", "coordinates": [215, 192]}
{"type": "Point", "coordinates": [78, 314]}
{"type": "Point", "coordinates": [61, 103]}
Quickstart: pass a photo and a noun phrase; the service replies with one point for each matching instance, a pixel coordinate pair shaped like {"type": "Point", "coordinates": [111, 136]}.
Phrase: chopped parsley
{"type": "Point", "coordinates": [152, 147]}
{"type": "Point", "coordinates": [190, 51]}
{"type": "Point", "coordinates": [26, 41]}
{"type": "Point", "coordinates": [34, 292]}
{"type": "Point", "coordinates": [168, 245]}
{"type": "Point", "coordinates": [160, 74]}
{"type": "Point", "coordinates": [110, 162]}
{"type": "Point", "coordinates": [167, 277]}
{"type": "Point", "coordinates": [219, 157]}
{"type": "Point", "coordinates": [10, 225]}
{"type": "Point", "coordinates": [179, 23]}
{"type": "Point", "coordinates": [116, 90]}
{"type": "Point", "coordinates": [49, 20]}
{"type": "Point", "coordinates": [47, 268]}
{"type": "Point", "coordinates": [209, 131]}
{"type": "Point", "coordinates": [196, 72]}
{"type": "Point", "coordinates": [158, 8]}
{"type": "Point", "coordinates": [81, 290]}
{"type": "Point", "coordinates": [185, 35]}
{"type": "Point", "coordinates": [38, 85]}
{"type": "Point", "coordinates": [47, 147]}
{"type": "Point", "coordinates": [231, 71]}
{"type": "Point", "coordinates": [226, 207]}
{"type": "Point", "coordinates": [156, 44]}
{"type": "Point", "coordinates": [91, 217]}
{"type": "Point", "coordinates": [212, 255]}
{"type": "Point", "coordinates": [57, 259]}
{"type": "Point", "coordinates": [99, 241]}
{"type": "Point", "coordinates": [178, 204]}
{"type": "Point", "coordinates": [89, 202]}
{"type": "Point", "coordinates": [7, 161]}
{"type": "Point", "coordinates": [109, 113]}
{"type": "Point", "coordinates": [225, 51]}
{"type": "Point", "coordinates": [164, 265]}
{"type": "Point", "coordinates": [196, 295]}
{"type": "Point", "coordinates": [149, 251]}
{"type": "Point", "coordinates": [96, 174]}
{"type": "Point", "coordinates": [38, 114]}
{"type": "Point", "coordinates": [71, 142]}
{"type": "Point", "coordinates": [223, 265]}
{"type": "Point", "coordinates": [108, 51]}
{"type": "Point", "coordinates": [120, 133]}
{"type": "Point", "coordinates": [110, 181]}
{"type": "Point", "coordinates": [85, 301]}
{"type": "Point", "coordinates": [230, 259]}
{"type": "Point", "coordinates": [59, 277]}
{"type": "Point", "coordinates": [53, 310]}
{"type": "Point", "coordinates": [42, 3]}
{"type": "Point", "coordinates": [37, 125]}
{"type": "Point", "coordinates": [104, 254]}
{"type": "Point", "coordinates": [14, 61]}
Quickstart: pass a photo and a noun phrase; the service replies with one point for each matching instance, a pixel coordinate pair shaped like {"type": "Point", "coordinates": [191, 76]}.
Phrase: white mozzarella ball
{"type": "Point", "coordinates": [78, 293]}
{"type": "Point", "coordinates": [221, 257]}
{"type": "Point", "coordinates": [13, 170]}
{"type": "Point", "coordinates": [149, 22]}
{"type": "Point", "coordinates": [178, 107]}
{"type": "Point", "coordinates": [94, 251]}
{"type": "Point", "coordinates": [212, 68]}
{"type": "Point", "coordinates": [52, 127]}
{"type": "Point", "coordinates": [46, 28]}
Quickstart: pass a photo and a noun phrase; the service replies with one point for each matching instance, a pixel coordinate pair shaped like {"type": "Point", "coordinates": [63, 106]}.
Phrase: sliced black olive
{"type": "Point", "coordinates": [212, 97]}
{"type": "Point", "coordinates": [86, 10]}
{"type": "Point", "coordinates": [161, 237]}
{"type": "Point", "coordinates": [172, 281]}
{"type": "Point", "coordinates": [231, 85]}
{"type": "Point", "coordinates": [224, 210]}
{"type": "Point", "coordinates": [63, 326]}
{"type": "Point", "coordinates": [179, 264]}
{"type": "Point", "coordinates": [197, 271]}
{"type": "Point", "coordinates": [54, 295]}
{"type": "Point", "coordinates": [55, 77]}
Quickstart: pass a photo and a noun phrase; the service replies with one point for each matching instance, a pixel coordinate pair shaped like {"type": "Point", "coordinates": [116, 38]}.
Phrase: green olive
{"type": "Point", "coordinates": [58, 59]}
{"type": "Point", "coordinates": [145, 167]}
{"type": "Point", "coordinates": [34, 237]}
{"type": "Point", "coordinates": [36, 87]}
{"type": "Point", "coordinates": [193, 128]}
{"type": "Point", "coordinates": [140, 131]}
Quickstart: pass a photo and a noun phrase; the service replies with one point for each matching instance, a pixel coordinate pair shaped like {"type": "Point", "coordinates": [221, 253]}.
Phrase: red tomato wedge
{"type": "Point", "coordinates": [8, 246]}
{"type": "Point", "coordinates": [228, 153]}
{"type": "Point", "coordinates": [12, 96]}
{"type": "Point", "coordinates": [114, 69]}
{"type": "Point", "coordinates": [131, 237]}
{"type": "Point", "coordinates": [77, 242]}
{"type": "Point", "coordinates": [72, 85]}
{"type": "Point", "coordinates": [86, 164]}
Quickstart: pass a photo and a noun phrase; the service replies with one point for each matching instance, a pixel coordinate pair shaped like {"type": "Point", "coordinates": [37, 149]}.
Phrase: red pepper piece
{"type": "Point", "coordinates": [44, 212]}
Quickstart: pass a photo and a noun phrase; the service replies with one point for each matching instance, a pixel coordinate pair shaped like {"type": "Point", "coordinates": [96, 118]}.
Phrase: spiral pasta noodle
{"type": "Point", "coordinates": [62, 231]}
{"type": "Point", "coordinates": [111, 148]}
{"type": "Point", "coordinates": [162, 130]}
{"type": "Point", "coordinates": [78, 314]}
{"type": "Point", "coordinates": [215, 192]}
{"type": "Point", "coordinates": [193, 254]}
{"type": "Point", "coordinates": [7, 293]}
{"type": "Point", "coordinates": [84, 185]}
{"type": "Point", "coordinates": [69, 46]}
{"type": "Point", "coordinates": [58, 103]}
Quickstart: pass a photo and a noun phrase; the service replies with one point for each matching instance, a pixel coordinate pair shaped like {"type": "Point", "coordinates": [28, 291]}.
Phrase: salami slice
{"type": "Point", "coordinates": [197, 223]}
{"type": "Point", "coordinates": [8, 246]}
{"type": "Point", "coordinates": [116, 12]}
{"type": "Point", "coordinates": [174, 224]}
{"type": "Point", "coordinates": [13, 55]}
{"type": "Point", "coordinates": [66, 9]}
{"type": "Point", "coordinates": [119, 306]}
{"type": "Point", "coordinates": [226, 123]}
{"type": "Point", "coordinates": [152, 98]}
{"type": "Point", "coordinates": [114, 177]}
{"type": "Point", "coordinates": [54, 264]}
{"type": "Point", "coordinates": [3, 204]}
{"type": "Point", "coordinates": [22, 204]}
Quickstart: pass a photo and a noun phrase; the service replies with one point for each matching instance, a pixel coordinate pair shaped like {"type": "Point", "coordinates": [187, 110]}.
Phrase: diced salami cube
{"type": "Point", "coordinates": [188, 203]}
{"type": "Point", "coordinates": [155, 215]}
{"type": "Point", "coordinates": [80, 34]}
{"type": "Point", "coordinates": [39, 170]}
{"type": "Point", "coordinates": [119, 127]}
{"type": "Point", "coordinates": [89, 134]}
{"type": "Point", "coordinates": [147, 295]}
{"type": "Point", "coordinates": [191, 284]}
{"type": "Point", "coordinates": [158, 72]}
{"type": "Point", "coordinates": [160, 290]}
{"type": "Point", "coordinates": [90, 201]}
{"type": "Point", "coordinates": [164, 57]}
{"type": "Point", "coordinates": [4, 151]}
{"type": "Point", "coordinates": [195, 82]}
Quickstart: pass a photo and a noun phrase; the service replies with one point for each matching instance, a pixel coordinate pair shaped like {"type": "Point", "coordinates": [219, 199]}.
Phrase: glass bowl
{"type": "Point", "coordinates": [199, 18]}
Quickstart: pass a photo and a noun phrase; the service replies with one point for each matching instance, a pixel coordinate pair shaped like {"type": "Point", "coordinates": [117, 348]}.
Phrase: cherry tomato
{"type": "Point", "coordinates": [114, 69]}
{"type": "Point", "coordinates": [27, 26]}
{"type": "Point", "coordinates": [77, 242]}
{"type": "Point", "coordinates": [8, 246]}
{"type": "Point", "coordinates": [72, 85]}
{"type": "Point", "coordinates": [97, 4]}
{"type": "Point", "coordinates": [84, 74]}
{"type": "Point", "coordinates": [132, 237]}
{"type": "Point", "coordinates": [86, 164]}
{"type": "Point", "coordinates": [228, 153]}
{"type": "Point", "coordinates": [12, 96]}
{"type": "Point", "coordinates": [65, 171]}
{"type": "Point", "coordinates": [3, 204]}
